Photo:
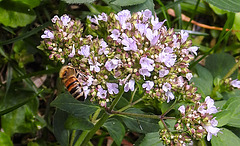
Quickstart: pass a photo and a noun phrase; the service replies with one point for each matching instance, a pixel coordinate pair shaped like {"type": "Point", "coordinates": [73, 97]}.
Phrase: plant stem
{"type": "Point", "coordinates": [72, 137]}
{"type": "Point", "coordinates": [94, 129]}
{"type": "Point", "coordinates": [193, 14]}
{"type": "Point", "coordinates": [130, 105]}
{"type": "Point", "coordinates": [202, 142]}
{"type": "Point", "coordinates": [115, 101]}
{"type": "Point", "coordinates": [81, 138]}
{"type": "Point", "coordinates": [231, 70]}
{"type": "Point", "coordinates": [96, 115]}
{"type": "Point", "coordinates": [164, 124]}
{"type": "Point", "coordinates": [136, 115]}
{"type": "Point", "coordinates": [170, 108]}
{"type": "Point", "coordinates": [133, 95]}
{"type": "Point", "coordinates": [164, 13]}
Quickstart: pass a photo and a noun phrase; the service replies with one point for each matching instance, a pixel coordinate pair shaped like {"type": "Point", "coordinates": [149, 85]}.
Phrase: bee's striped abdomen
{"type": "Point", "coordinates": [74, 87]}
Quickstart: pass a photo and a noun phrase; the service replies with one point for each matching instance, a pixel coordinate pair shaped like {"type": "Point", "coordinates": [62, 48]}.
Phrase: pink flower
{"type": "Point", "coordinates": [103, 17]}
{"type": "Point", "coordinates": [86, 91]}
{"type": "Point", "coordinates": [129, 43]}
{"type": "Point", "coordinates": [180, 81]}
{"type": "Point", "coordinates": [189, 76]}
{"type": "Point", "coordinates": [102, 50]}
{"type": "Point", "coordinates": [147, 14]}
{"type": "Point", "coordinates": [208, 107]}
{"type": "Point", "coordinates": [112, 64]}
{"type": "Point", "coordinates": [167, 57]}
{"type": "Point", "coordinates": [235, 83]}
{"type": "Point", "coordinates": [211, 128]}
{"type": "Point", "coordinates": [85, 51]}
{"type": "Point", "coordinates": [152, 36]}
{"type": "Point", "coordinates": [93, 20]}
{"type": "Point", "coordinates": [115, 34]}
{"type": "Point", "coordinates": [148, 85]}
{"type": "Point", "coordinates": [211, 109]}
{"type": "Point", "coordinates": [193, 50]}
{"type": "Point", "coordinates": [169, 95]}
{"type": "Point", "coordinates": [122, 17]}
{"type": "Point", "coordinates": [54, 19]}
{"type": "Point", "coordinates": [129, 85]}
{"type": "Point", "coordinates": [94, 65]}
{"type": "Point", "coordinates": [146, 63]}
{"type": "Point", "coordinates": [102, 93]}
{"type": "Point", "coordinates": [166, 87]}
{"type": "Point", "coordinates": [184, 36]}
{"type": "Point", "coordinates": [65, 19]}
{"type": "Point", "coordinates": [141, 28]}
{"type": "Point", "coordinates": [72, 53]}
{"type": "Point", "coordinates": [112, 88]}
{"type": "Point", "coordinates": [144, 72]}
{"type": "Point", "coordinates": [156, 24]}
{"type": "Point", "coordinates": [47, 34]}
{"type": "Point", "coordinates": [182, 109]}
{"type": "Point", "coordinates": [163, 72]}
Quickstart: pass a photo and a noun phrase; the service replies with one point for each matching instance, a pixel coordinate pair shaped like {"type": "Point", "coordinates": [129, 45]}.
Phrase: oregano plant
{"type": "Point", "coordinates": [138, 79]}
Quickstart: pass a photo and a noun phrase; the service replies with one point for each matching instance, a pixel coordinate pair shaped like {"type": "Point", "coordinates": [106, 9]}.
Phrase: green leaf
{"type": "Point", "coordinates": [15, 14]}
{"type": "Point", "coordinates": [74, 123]}
{"type": "Point", "coordinates": [204, 81]}
{"type": "Point", "coordinates": [233, 106]}
{"type": "Point", "coordinates": [236, 25]}
{"type": "Point", "coordinates": [151, 139]}
{"type": "Point", "coordinates": [171, 124]}
{"type": "Point", "coordinates": [127, 2]}
{"type": "Point", "coordinates": [217, 10]}
{"type": "Point", "coordinates": [21, 120]}
{"type": "Point", "coordinates": [97, 9]}
{"type": "Point", "coordinates": [30, 3]}
{"type": "Point", "coordinates": [234, 93]}
{"type": "Point", "coordinates": [219, 104]}
{"type": "Point", "coordinates": [68, 104]}
{"type": "Point", "coordinates": [60, 132]}
{"type": "Point", "coordinates": [9, 78]}
{"type": "Point", "coordinates": [168, 5]}
{"type": "Point", "coordinates": [235, 130]}
{"type": "Point", "coordinates": [226, 138]}
{"type": "Point", "coordinates": [14, 107]}
{"type": "Point", "coordinates": [122, 103]}
{"type": "Point", "coordinates": [229, 5]}
{"type": "Point", "coordinates": [22, 54]}
{"type": "Point", "coordinates": [115, 129]}
{"type": "Point", "coordinates": [140, 125]}
{"type": "Point", "coordinates": [5, 140]}
{"type": "Point", "coordinates": [189, 7]}
{"type": "Point", "coordinates": [26, 35]}
{"type": "Point", "coordinates": [78, 1]}
{"type": "Point", "coordinates": [148, 4]}
{"type": "Point", "coordinates": [223, 117]}
{"type": "Point", "coordinates": [20, 111]}
{"type": "Point", "coordinates": [220, 64]}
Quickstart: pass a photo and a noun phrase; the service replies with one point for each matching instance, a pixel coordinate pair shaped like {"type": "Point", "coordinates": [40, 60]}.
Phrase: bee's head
{"type": "Point", "coordinates": [65, 71]}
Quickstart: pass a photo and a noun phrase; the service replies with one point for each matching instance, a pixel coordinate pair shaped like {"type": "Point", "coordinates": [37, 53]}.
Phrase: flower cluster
{"type": "Point", "coordinates": [61, 40]}
{"type": "Point", "coordinates": [137, 48]}
{"type": "Point", "coordinates": [196, 121]}
{"type": "Point", "coordinates": [125, 49]}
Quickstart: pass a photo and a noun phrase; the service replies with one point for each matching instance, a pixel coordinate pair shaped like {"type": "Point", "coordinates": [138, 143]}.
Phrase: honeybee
{"type": "Point", "coordinates": [73, 79]}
